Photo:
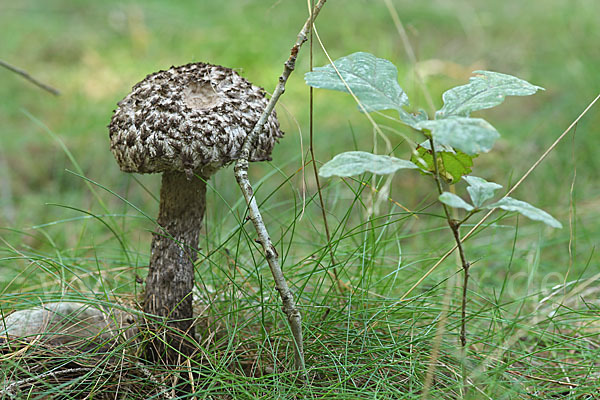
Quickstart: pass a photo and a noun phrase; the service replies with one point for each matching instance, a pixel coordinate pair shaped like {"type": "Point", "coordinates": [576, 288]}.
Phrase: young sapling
{"type": "Point", "coordinates": [452, 139]}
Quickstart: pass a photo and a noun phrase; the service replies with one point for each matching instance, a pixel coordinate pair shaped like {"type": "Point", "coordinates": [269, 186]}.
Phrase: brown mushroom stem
{"type": "Point", "coordinates": [171, 272]}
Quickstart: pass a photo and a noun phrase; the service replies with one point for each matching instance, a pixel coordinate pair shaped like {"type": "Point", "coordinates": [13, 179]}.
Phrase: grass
{"type": "Point", "coordinates": [74, 226]}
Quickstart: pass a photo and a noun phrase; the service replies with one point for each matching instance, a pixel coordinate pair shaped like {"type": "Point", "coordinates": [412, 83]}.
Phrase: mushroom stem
{"type": "Point", "coordinates": [170, 280]}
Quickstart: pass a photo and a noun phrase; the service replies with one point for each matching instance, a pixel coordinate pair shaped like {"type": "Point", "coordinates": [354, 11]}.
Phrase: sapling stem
{"type": "Point", "coordinates": [455, 228]}
{"type": "Point", "coordinates": [241, 175]}
{"type": "Point", "coordinates": [436, 174]}
{"type": "Point", "coordinates": [465, 266]}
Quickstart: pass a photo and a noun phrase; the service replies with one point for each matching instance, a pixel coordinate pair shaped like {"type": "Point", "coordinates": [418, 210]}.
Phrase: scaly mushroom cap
{"type": "Point", "coordinates": [189, 118]}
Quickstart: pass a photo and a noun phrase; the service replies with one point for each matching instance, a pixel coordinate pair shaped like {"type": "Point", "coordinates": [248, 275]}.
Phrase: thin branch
{"type": "Point", "coordinates": [315, 172]}
{"type": "Point", "coordinates": [11, 387]}
{"type": "Point", "coordinates": [164, 393]}
{"type": "Point", "coordinates": [241, 174]}
{"type": "Point", "coordinates": [30, 78]}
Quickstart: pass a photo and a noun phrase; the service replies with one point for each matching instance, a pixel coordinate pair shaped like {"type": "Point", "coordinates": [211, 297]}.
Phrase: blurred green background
{"type": "Point", "coordinates": [94, 52]}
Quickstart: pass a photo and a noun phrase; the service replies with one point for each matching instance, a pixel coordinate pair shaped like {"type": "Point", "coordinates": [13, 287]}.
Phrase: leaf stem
{"type": "Point", "coordinates": [469, 215]}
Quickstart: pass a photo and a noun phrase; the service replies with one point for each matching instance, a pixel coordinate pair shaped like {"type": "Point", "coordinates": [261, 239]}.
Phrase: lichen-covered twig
{"type": "Point", "coordinates": [10, 389]}
{"type": "Point", "coordinates": [30, 78]}
{"type": "Point", "coordinates": [241, 174]}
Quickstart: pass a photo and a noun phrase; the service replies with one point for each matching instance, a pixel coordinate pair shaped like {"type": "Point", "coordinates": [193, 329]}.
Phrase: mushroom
{"type": "Point", "coordinates": [185, 122]}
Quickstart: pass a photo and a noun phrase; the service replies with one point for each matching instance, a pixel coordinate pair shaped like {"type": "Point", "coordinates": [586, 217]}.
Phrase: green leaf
{"type": "Point", "coordinates": [373, 80]}
{"type": "Point", "coordinates": [454, 201]}
{"type": "Point", "coordinates": [438, 147]}
{"type": "Point", "coordinates": [456, 165]}
{"type": "Point", "coordinates": [470, 135]}
{"type": "Point", "coordinates": [411, 119]}
{"type": "Point", "coordinates": [452, 164]}
{"type": "Point", "coordinates": [358, 162]}
{"type": "Point", "coordinates": [485, 90]}
{"type": "Point", "coordinates": [480, 190]}
{"type": "Point", "coordinates": [531, 212]}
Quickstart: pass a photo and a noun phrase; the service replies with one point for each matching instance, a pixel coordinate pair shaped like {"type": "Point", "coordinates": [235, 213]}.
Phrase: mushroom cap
{"type": "Point", "coordinates": [194, 117]}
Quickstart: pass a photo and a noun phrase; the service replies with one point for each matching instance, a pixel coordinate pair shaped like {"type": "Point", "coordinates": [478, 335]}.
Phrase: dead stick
{"type": "Point", "coordinates": [30, 78]}
{"type": "Point", "coordinates": [241, 175]}
{"type": "Point", "coordinates": [11, 387]}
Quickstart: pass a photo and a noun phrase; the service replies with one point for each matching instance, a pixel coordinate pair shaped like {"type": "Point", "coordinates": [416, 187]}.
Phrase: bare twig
{"type": "Point", "coordinates": [241, 175]}
{"type": "Point", "coordinates": [30, 78]}
{"type": "Point", "coordinates": [165, 394]}
{"type": "Point", "coordinates": [10, 389]}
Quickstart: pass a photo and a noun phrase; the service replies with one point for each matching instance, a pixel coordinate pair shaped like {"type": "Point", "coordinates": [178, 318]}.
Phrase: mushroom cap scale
{"type": "Point", "coordinates": [194, 117]}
